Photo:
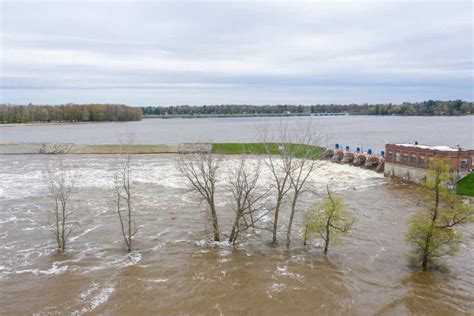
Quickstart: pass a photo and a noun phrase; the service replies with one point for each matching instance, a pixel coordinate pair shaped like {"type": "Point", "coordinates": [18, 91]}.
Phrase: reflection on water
{"type": "Point", "coordinates": [426, 287]}
{"type": "Point", "coordinates": [175, 270]}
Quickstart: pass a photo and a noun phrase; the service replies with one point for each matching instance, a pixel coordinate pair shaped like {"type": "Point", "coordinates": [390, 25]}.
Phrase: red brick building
{"type": "Point", "coordinates": [405, 160]}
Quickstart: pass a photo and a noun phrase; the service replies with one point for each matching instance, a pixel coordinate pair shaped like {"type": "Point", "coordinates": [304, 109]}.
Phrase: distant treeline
{"type": "Point", "coordinates": [68, 113]}
{"type": "Point", "coordinates": [447, 108]}
{"type": "Point", "coordinates": [115, 112]}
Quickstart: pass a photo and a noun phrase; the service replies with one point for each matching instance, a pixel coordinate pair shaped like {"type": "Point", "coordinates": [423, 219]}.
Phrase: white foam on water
{"type": "Point", "coordinates": [155, 280]}
{"type": "Point", "coordinates": [275, 288]}
{"type": "Point", "coordinates": [9, 220]}
{"type": "Point", "coordinates": [201, 243]}
{"type": "Point", "coordinates": [84, 233]}
{"type": "Point", "coordinates": [177, 241]}
{"type": "Point", "coordinates": [88, 292]}
{"type": "Point", "coordinates": [98, 172]}
{"type": "Point", "coordinates": [214, 244]}
{"type": "Point", "coordinates": [109, 264]}
{"type": "Point", "coordinates": [54, 270]}
{"type": "Point", "coordinates": [29, 228]}
{"type": "Point", "coordinates": [132, 259]}
{"type": "Point", "coordinates": [283, 271]}
{"type": "Point", "coordinates": [102, 297]}
{"type": "Point", "coordinates": [94, 296]}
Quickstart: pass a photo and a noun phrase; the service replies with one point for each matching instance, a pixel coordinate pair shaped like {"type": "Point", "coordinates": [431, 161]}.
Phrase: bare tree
{"type": "Point", "coordinates": [305, 150]}
{"type": "Point", "coordinates": [61, 185]}
{"type": "Point", "coordinates": [278, 160]}
{"type": "Point", "coordinates": [200, 166]}
{"type": "Point", "coordinates": [124, 197]}
{"type": "Point", "coordinates": [291, 158]}
{"type": "Point", "coordinates": [246, 193]}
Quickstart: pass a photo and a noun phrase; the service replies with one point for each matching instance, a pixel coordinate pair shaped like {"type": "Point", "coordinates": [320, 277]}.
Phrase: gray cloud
{"type": "Point", "coordinates": [203, 52]}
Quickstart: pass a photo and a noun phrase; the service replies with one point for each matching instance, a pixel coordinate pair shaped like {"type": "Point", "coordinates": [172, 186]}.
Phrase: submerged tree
{"type": "Point", "coordinates": [329, 219]}
{"type": "Point", "coordinates": [431, 232]}
{"type": "Point", "coordinates": [243, 183]}
{"type": "Point", "coordinates": [200, 166]}
{"type": "Point", "coordinates": [62, 185]}
{"type": "Point", "coordinates": [123, 191]}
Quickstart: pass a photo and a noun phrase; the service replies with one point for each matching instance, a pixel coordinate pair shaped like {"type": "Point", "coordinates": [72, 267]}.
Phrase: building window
{"type": "Point", "coordinates": [390, 156]}
{"type": "Point", "coordinates": [413, 159]}
{"type": "Point", "coordinates": [421, 161]}
{"type": "Point", "coordinates": [397, 157]}
{"type": "Point", "coordinates": [405, 157]}
{"type": "Point", "coordinates": [464, 164]}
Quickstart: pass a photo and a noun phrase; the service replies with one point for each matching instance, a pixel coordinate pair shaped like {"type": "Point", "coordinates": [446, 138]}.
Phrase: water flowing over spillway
{"type": "Point", "coordinates": [175, 269]}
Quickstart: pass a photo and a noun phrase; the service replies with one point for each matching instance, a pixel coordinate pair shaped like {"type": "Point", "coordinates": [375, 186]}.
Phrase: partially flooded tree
{"type": "Point", "coordinates": [278, 160]}
{"type": "Point", "coordinates": [304, 150]}
{"type": "Point", "coordinates": [61, 185]}
{"type": "Point", "coordinates": [291, 158]}
{"type": "Point", "coordinates": [431, 232]}
{"type": "Point", "coordinates": [200, 166]}
{"type": "Point", "coordinates": [246, 193]}
{"type": "Point", "coordinates": [124, 195]}
{"type": "Point", "coordinates": [299, 174]}
{"type": "Point", "coordinates": [329, 219]}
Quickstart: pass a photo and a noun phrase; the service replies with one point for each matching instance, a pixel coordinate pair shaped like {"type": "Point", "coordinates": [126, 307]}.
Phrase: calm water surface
{"type": "Point", "coordinates": [175, 271]}
{"type": "Point", "coordinates": [365, 131]}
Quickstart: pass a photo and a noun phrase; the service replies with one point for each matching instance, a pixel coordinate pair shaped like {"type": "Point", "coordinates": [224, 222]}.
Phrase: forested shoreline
{"type": "Point", "coordinates": [118, 112]}
{"type": "Point", "coordinates": [68, 113]}
{"type": "Point", "coordinates": [426, 108]}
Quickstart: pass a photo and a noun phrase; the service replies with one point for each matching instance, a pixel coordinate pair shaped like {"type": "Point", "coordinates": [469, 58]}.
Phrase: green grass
{"type": "Point", "coordinates": [300, 151]}
{"type": "Point", "coordinates": [465, 186]}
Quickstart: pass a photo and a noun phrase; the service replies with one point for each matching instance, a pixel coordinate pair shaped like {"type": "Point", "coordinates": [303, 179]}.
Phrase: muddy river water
{"type": "Point", "coordinates": [175, 270]}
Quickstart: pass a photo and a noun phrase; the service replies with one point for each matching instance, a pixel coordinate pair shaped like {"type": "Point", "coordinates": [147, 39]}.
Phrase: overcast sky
{"type": "Point", "coordinates": [215, 52]}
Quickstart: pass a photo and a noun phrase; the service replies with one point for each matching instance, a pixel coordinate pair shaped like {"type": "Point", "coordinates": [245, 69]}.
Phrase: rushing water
{"type": "Point", "coordinates": [365, 131]}
{"type": "Point", "coordinates": [175, 270]}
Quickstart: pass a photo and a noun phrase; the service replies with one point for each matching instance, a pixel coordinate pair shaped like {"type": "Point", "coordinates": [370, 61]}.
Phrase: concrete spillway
{"type": "Point", "coordinates": [362, 160]}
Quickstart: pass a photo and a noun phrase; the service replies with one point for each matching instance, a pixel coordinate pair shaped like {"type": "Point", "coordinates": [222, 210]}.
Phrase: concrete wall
{"type": "Point", "coordinates": [405, 172]}
{"type": "Point", "coordinates": [409, 173]}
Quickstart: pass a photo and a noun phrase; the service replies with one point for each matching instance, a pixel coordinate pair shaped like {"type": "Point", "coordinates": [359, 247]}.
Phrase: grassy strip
{"type": "Point", "coordinates": [301, 151]}
{"type": "Point", "coordinates": [465, 186]}
{"type": "Point", "coordinates": [243, 148]}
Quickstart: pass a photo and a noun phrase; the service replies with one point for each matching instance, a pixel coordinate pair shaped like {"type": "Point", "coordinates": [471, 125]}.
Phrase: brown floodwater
{"type": "Point", "coordinates": [176, 270]}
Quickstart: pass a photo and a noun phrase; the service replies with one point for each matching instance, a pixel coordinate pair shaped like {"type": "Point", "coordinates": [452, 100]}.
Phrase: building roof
{"type": "Point", "coordinates": [440, 148]}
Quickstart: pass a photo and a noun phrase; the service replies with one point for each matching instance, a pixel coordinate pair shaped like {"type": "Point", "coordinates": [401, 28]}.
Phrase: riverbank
{"type": "Point", "coordinates": [190, 116]}
{"type": "Point", "coordinates": [57, 123]}
{"type": "Point", "coordinates": [73, 149]}
{"type": "Point", "coordinates": [220, 148]}
{"type": "Point", "coordinates": [204, 116]}
{"type": "Point", "coordinates": [465, 186]}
